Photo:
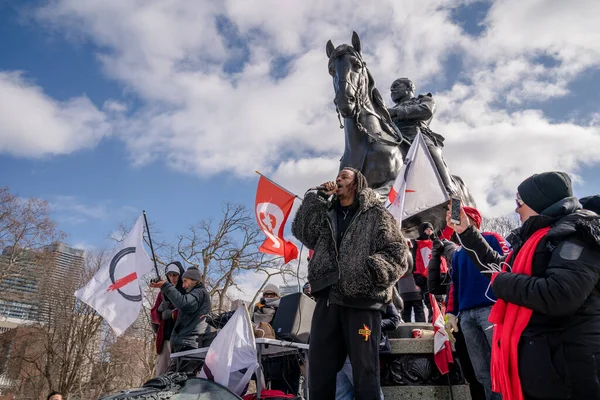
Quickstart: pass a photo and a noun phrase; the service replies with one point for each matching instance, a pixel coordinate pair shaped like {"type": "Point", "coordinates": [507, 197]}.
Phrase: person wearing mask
{"type": "Point", "coordinates": [162, 315]}
{"type": "Point", "coordinates": [546, 341]}
{"type": "Point", "coordinates": [359, 255]}
{"type": "Point", "coordinates": [283, 373]}
{"type": "Point", "coordinates": [191, 311]}
{"type": "Point", "coordinates": [264, 310]}
{"type": "Point", "coordinates": [344, 387]}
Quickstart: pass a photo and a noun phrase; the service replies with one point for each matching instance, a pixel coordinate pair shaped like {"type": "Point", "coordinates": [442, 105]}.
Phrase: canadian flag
{"type": "Point", "coordinates": [418, 186]}
{"type": "Point", "coordinates": [442, 351]}
{"type": "Point", "coordinates": [272, 206]}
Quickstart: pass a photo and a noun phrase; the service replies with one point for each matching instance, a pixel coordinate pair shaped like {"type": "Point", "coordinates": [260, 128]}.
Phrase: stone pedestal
{"type": "Point", "coordinates": [409, 372]}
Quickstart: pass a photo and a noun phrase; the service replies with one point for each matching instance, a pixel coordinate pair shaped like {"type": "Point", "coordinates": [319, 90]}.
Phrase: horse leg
{"type": "Point", "coordinates": [382, 165]}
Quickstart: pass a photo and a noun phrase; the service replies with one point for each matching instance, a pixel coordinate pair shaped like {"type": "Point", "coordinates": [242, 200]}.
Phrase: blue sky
{"type": "Point", "coordinates": [111, 107]}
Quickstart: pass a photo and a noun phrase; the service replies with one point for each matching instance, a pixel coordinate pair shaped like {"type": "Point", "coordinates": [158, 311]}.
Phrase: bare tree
{"type": "Point", "coordinates": [502, 225]}
{"type": "Point", "coordinates": [63, 343]}
{"type": "Point", "coordinates": [225, 249]}
{"type": "Point", "coordinates": [25, 228]}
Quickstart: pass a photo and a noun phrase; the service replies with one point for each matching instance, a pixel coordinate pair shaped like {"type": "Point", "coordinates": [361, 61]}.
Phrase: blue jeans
{"type": "Point", "coordinates": [344, 387]}
{"type": "Point", "coordinates": [474, 324]}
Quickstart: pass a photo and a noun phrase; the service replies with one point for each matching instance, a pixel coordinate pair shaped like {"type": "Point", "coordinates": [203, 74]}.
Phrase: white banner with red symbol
{"type": "Point", "coordinates": [115, 290]}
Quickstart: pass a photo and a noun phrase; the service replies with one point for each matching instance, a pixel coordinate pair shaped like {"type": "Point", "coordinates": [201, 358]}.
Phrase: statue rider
{"type": "Point", "coordinates": [411, 114]}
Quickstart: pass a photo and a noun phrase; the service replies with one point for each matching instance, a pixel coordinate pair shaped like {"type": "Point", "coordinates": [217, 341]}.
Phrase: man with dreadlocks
{"type": "Point", "coordinates": [413, 114]}
{"type": "Point", "coordinates": [359, 254]}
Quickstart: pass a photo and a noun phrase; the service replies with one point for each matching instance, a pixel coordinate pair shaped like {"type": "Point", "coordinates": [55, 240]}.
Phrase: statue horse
{"type": "Point", "coordinates": [372, 143]}
{"type": "Point", "coordinates": [372, 140]}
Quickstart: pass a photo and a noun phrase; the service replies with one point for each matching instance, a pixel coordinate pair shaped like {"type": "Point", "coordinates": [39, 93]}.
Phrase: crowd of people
{"type": "Point", "coordinates": [524, 310]}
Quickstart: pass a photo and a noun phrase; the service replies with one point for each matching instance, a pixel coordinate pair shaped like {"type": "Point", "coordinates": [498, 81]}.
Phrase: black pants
{"type": "Point", "coordinates": [184, 366]}
{"type": "Point", "coordinates": [416, 305]}
{"type": "Point", "coordinates": [337, 332]}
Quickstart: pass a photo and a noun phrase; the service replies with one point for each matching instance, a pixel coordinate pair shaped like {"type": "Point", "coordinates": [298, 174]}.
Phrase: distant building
{"type": "Point", "coordinates": [288, 289]}
{"type": "Point", "coordinates": [21, 300]}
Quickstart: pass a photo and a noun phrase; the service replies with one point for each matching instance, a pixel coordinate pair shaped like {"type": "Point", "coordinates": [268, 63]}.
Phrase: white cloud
{"type": "Point", "coordinates": [201, 118]}
{"type": "Point", "coordinates": [76, 210]}
{"type": "Point", "coordinates": [33, 124]}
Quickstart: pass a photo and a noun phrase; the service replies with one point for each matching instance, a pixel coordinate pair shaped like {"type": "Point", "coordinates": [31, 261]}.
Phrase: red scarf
{"type": "Point", "coordinates": [511, 320]}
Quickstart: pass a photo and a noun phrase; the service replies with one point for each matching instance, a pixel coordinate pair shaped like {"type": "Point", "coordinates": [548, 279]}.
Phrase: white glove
{"type": "Point", "coordinates": [451, 322]}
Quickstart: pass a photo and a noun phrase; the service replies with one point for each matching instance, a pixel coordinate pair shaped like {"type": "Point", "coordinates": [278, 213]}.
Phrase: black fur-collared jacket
{"type": "Point", "coordinates": [371, 257]}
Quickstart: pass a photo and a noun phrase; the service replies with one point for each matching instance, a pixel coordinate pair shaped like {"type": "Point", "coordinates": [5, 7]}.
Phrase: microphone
{"type": "Point", "coordinates": [322, 187]}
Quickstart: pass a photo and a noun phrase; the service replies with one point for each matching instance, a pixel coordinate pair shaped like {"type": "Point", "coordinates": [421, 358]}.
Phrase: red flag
{"type": "Point", "coordinates": [442, 351]}
{"type": "Point", "coordinates": [272, 207]}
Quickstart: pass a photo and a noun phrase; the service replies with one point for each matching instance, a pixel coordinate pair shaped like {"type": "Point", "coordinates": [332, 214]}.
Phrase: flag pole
{"type": "Point", "coordinates": [151, 247]}
{"type": "Point", "coordinates": [450, 386]}
{"type": "Point", "coordinates": [279, 186]}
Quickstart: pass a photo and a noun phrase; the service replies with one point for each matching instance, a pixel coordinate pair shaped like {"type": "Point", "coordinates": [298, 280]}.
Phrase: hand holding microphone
{"type": "Point", "coordinates": [328, 187]}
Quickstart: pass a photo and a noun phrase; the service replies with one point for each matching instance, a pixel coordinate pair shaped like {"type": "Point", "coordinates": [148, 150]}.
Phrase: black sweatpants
{"type": "Point", "coordinates": [339, 331]}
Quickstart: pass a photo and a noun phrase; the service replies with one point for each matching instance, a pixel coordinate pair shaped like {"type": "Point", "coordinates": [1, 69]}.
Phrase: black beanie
{"type": "Point", "coordinates": [540, 191]}
{"type": "Point", "coordinates": [591, 203]}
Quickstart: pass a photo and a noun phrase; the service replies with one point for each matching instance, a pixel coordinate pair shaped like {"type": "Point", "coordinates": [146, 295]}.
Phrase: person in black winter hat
{"type": "Point", "coordinates": [541, 191]}
{"type": "Point", "coordinates": [190, 314]}
{"type": "Point", "coordinates": [550, 283]}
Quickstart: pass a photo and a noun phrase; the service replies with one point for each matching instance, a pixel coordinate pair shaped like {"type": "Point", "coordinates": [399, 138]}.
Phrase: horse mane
{"type": "Point", "coordinates": [373, 92]}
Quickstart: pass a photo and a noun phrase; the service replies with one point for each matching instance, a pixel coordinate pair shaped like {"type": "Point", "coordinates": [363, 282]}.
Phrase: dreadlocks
{"type": "Point", "coordinates": [359, 179]}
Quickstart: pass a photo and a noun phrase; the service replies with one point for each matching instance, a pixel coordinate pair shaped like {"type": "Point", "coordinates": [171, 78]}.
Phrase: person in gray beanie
{"type": "Point", "coordinates": [190, 314]}
{"type": "Point", "coordinates": [548, 309]}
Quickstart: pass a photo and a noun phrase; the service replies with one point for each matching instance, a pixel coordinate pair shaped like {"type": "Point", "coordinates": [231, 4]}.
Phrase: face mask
{"type": "Point", "coordinates": [273, 301]}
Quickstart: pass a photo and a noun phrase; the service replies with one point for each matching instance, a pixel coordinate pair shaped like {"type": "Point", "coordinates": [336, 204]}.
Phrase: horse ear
{"type": "Point", "coordinates": [329, 48]}
{"type": "Point", "coordinates": [356, 41]}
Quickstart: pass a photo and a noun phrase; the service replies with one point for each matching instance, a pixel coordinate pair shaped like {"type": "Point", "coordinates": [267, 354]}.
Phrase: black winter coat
{"type": "Point", "coordinates": [371, 256]}
{"type": "Point", "coordinates": [559, 351]}
{"type": "Point", "coordinates": [192, 309]}
{"type": "Point", "coordinates": [438, 283]}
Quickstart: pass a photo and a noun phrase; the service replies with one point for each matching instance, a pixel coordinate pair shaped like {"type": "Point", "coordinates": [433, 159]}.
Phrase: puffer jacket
{"type": "Point", "coordinates": [559, 351]}
{"type": "Point", "coordinates": [371, 256]}
{"type": "Point", "coordinates": [192, 309]}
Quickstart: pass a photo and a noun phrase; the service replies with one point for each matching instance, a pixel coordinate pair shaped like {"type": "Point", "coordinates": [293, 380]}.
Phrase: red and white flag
{"type": "Point", "coordinates": [418, 186]}
{"type": "Point", "coordinates": [442, 350]}
{"type": "Point", "coordinates": [115, 292]}
{"type": "Point", "coordinates": [272, 206]}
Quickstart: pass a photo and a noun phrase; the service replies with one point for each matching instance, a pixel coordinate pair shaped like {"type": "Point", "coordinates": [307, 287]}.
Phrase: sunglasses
{"type": "Point", "coordinates": [519, 201]}
{"type": "Point", "coordinates": [269, 295]}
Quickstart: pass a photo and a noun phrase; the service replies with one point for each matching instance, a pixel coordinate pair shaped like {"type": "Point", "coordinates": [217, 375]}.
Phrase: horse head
{"type": "Point", "coordinates": [349, 73]}
{"type": "Point", "coordinates": [353, 83]}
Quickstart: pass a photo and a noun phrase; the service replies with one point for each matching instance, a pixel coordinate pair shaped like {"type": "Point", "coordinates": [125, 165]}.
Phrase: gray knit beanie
{"type": "Point", "coordinates": [192, 273]}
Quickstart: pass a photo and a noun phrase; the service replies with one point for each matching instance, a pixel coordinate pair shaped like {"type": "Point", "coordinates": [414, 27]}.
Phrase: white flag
{"type": "Point", "coordinates": [418, 186]}
{"type": "Point", "coordinates": [232, 350]}
{"type": "Point", "coordinates": [115, 292]}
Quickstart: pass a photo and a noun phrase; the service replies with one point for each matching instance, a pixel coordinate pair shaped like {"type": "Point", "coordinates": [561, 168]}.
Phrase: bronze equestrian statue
{"type": "Point", "coordinates": [378, 138]}
{"type": "Point", "coordinates": [372, 140]}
